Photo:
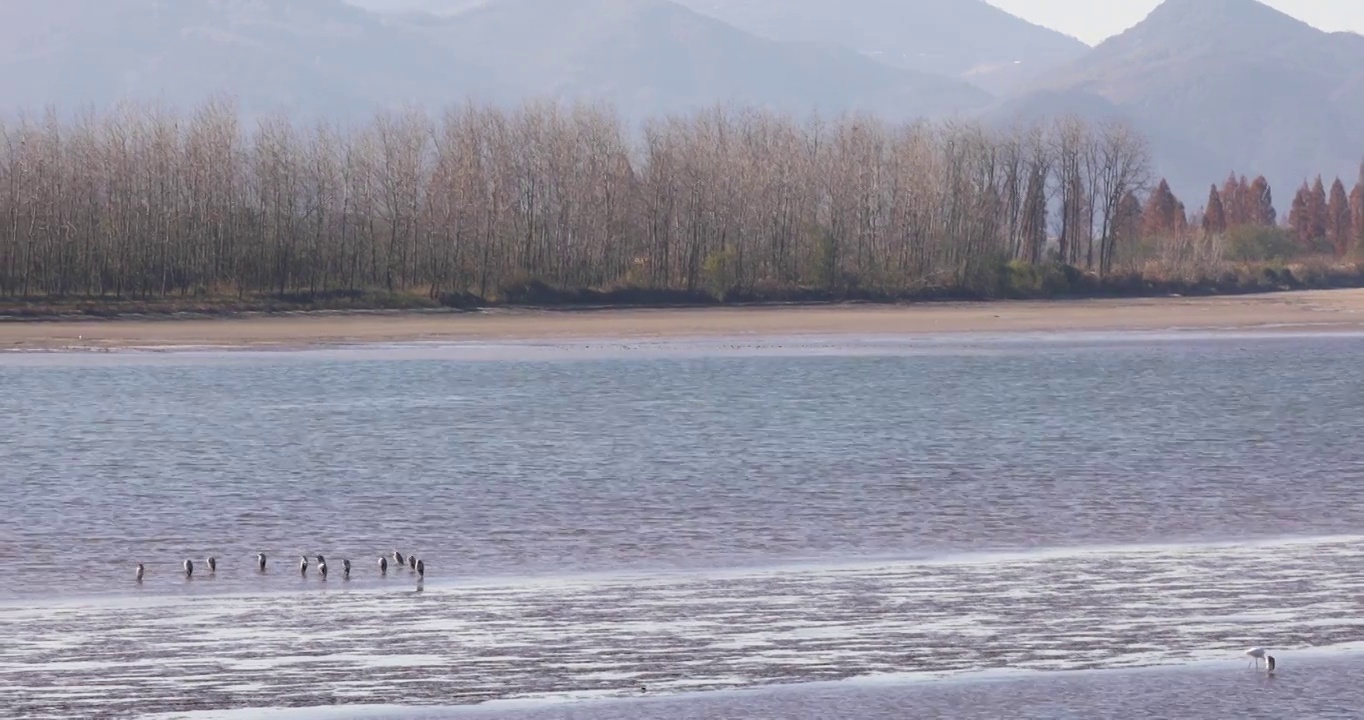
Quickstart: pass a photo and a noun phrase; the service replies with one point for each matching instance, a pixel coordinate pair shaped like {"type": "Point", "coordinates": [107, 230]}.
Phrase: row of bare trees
{"type": "Point", "coordinates": [141, 201]}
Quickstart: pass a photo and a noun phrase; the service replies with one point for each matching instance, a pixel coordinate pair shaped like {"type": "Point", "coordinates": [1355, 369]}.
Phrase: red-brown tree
{"type": "Point", "coordinates": [1215, 216]}
{"type": "Point", "coordinates": [1338, 224]}
{"type": "Point", "coordinates": [1237, 204]}
{"type": "Point", "coordinates": [1262, 203]}
{"type": "Point", "coordinates": [1162, 213]}
{"type": "Point", "coordinates": [1317, 212]}
{"type": "Point", "coordinates": [1357, 215]}
{"type": "Point", "coordinates": [1299, 217]}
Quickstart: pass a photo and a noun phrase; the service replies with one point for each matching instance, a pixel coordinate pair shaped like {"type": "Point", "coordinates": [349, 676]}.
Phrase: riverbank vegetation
{"type": "Point", "coordinates": [143, 210]}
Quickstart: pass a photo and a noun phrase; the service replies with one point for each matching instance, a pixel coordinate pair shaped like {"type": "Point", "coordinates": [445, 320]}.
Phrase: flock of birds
{"type": "Point", "coordinates": [419, 567]}
{"type": "Point", "coordinates": [411, 561]}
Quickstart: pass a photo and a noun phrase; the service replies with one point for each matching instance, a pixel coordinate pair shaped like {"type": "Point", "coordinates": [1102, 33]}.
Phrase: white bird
{"type": "Point", "coordinates": [213, 565]}
{"type": "Point", "coordinates": [189, 568]}
{"type": "Point", "coordinates": [1255, 654]}
{"type": "Point", "coordinates": [140, 570]}
{"type": "Point", "coordinates": [260, 561]}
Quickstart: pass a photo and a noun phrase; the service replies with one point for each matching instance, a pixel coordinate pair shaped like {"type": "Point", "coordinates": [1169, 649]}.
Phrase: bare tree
{"type": "Point", "coordinates": [141, 201]}
{"type": "Point", "coordinates": [1124, 170]}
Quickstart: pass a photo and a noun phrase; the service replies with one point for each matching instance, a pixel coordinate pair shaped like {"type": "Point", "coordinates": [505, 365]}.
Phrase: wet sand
{"type": "Point", "coordinates": [1311, 685]}
{"type": "Point", "coordinates": [180, 646]}
{"type": "Point", "coordinates": [1322, 686]}
{"type": "Point", "coordinates": [1322, 310]}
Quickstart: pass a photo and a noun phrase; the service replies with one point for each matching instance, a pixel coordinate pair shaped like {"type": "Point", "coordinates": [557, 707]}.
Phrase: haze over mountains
{"type": "Point", "coordinates": [968, 39]}
{"type": "Point", "coordinates": [650, 57]}
{"type": "Point", "coordinates": [1217, 85]}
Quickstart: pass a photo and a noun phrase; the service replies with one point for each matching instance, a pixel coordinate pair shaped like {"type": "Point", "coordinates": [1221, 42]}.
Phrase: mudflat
{"type": "Point", "coordinates": [1323, 310]}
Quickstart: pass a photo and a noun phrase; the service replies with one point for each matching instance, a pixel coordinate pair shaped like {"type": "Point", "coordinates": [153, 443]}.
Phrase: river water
{"type": "Point", "coordinates": [722, 528]}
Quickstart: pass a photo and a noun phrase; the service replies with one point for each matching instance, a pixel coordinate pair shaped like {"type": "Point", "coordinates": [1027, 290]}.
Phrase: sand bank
{"type": "Point", "coordinates": [1326, 310]}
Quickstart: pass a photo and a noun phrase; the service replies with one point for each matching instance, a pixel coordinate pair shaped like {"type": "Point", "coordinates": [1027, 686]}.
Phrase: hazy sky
{"type": "Point", "coordinates": [1094, 20]}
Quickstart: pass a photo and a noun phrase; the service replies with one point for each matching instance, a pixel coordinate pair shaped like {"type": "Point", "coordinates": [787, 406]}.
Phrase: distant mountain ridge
{"type": "Point", "coordinates": [1223, 85]}
{"type": "Point", "coordinates": [966, 39]}
{"type": "Point", "coordinates": [302, 57]}
{"type": "Point", "coordinates": [652, 56]}
{"type": "Point", "coordinates": [327, 58]}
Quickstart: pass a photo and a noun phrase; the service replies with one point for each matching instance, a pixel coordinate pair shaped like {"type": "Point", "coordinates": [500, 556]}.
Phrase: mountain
{"type": "Point", "coordinates": [655, 56]}
{"type": "Point", "coordinates": [305, 57]}
{"type": "Point", "coordinates": [433, 7]}
{"type": "Point", "coordinates": [969, 39]}
{"type": "Point", "coordinates": [328, 58]}
{"type": "Point", "coordinates": [1222, 85]}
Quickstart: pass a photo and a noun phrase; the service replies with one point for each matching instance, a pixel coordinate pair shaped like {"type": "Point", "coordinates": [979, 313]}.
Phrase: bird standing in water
{"type": "Point", "coordinates": [421, 570]}
{"type": "Point", "coordinates": [189, 568]}
{"type": "Point", "coordinates": [412, 562]}
{"type": "Point", "coordinates": [322, 567]}
{"type": "Point", "coordinates": [383, 565]}
{"type": "Point", "coordinates": [212, 565]}
{"type": "Point", "coordinates": [303, 565]}
{"type": "Point", "coordinates": [398, 558]}
{"type": "Point", "coordinates": [345, 569]}
{"type": "Point", "coordinates": [260, 561]}
{"type": "Point", "coordinates": [140, 570]}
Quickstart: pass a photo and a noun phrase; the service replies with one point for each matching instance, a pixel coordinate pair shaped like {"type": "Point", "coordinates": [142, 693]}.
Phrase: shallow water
{"type": "Point", "coordinates": [691, 516]}
{"type": "Point", "coordinates": [1314, 688]}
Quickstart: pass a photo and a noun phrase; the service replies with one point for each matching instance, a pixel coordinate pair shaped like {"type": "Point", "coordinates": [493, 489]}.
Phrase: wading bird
{"type": "Point", "coordinates": [140, 570]}
{"type": "Point", "coordinates": [260, 561]}
{"type": "Point", "coordinates": [303, 565]}
{"type": "Point", "coordinates": [398, 558]}
{"type": "Point", "coordinates": [212, 565]}
{"type": "Point", "coordinates": [1255, 654]}
{"type": "Point", "coordinates": [345, 569]}
{"type": "Point", "coordinates": [412, 562]}
{"type": "Point", "coordinates": [383, 566]}
{"type": "Point", "coordinates": [189, 568]}
{"type": "Point", "coordinates": [322, 567]}
{"type": "Point", "coordinates": [421, 570]}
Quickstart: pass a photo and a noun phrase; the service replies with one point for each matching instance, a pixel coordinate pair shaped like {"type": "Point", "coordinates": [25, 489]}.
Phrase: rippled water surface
{"type": "Point", "coordinates": [701, 516]}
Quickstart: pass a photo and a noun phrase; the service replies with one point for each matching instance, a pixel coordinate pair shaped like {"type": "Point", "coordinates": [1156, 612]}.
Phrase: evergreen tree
{"type": "Point", "coordinates": [1318, 217]}
{"type": "Point", "coordinates": [1238, 205]}
{"type": "Point", "coordinates": [1261, 200]}
{"type": "Point", "coordinates": [1299, 218]}
{"type": "Point", "coordinates": [1159, 216]}
{"type": "Point", "coordinates": [1357, 216]}
{"type": "Point", "coordinates": [1338, 219]}
{"type": "Point", "coordinates": [1215, 216]}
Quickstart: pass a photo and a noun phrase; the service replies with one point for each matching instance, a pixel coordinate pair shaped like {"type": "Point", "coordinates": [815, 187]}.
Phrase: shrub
{"type": "Point", "coordinates": [1252, 243]}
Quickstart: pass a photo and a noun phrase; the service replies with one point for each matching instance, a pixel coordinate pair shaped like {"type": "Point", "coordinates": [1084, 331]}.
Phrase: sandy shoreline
{"type": "Point", "coordinates": [1323, 310]}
